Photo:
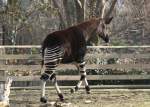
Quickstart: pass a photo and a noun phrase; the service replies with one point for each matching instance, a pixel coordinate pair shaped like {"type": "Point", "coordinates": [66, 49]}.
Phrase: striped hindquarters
{"type": "Point", "coordinates": [52, 57]}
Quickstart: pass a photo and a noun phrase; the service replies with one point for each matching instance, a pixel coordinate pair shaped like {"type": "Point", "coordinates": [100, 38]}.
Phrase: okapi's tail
{"type": "Point", "coordinates": [42, 53]}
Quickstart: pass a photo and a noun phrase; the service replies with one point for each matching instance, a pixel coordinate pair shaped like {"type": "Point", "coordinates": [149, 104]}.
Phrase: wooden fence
{"type": "Point", "coordinates": [143, 54]}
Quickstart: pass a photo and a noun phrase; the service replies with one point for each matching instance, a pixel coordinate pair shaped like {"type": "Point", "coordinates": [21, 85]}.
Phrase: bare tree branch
{"type": "Point", "coordinates": [111, 8]}
{"type": "Point", "coordinates": [103, 8]}
{"type": "Point", "coordinates": [80, 4]}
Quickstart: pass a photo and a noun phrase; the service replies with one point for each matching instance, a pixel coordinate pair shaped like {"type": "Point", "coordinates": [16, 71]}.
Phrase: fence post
{"type": "Point", "coordinates": [4, 93]}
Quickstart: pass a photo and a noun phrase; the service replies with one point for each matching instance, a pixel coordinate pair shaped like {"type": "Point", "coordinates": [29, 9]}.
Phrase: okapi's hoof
{"type": "Point", "coordinates": [88, 92]}
{"type": "Point", "coordinates": [43, 100]}
{"type": "Point", "coordinates": [87, 89]}
{"type": "Point", "coordinates": [61, 97]}
{"type": "Point", "coordinates": [72, 90]}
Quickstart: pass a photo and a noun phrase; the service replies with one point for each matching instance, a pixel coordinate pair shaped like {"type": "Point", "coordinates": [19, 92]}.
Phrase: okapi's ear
{"type": "Point", "coordinates": [108, 20]}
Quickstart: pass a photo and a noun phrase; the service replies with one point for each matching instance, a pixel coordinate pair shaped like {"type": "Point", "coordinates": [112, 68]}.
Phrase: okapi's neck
{"type": "Point", "coordinates": [89, 27]}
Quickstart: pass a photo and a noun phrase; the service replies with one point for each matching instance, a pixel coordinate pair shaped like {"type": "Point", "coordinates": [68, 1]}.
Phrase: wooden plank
{"type": "Point", "coordinates": [106, 87]}
{"type": "Point", "coordinates": [116, 55]}
{"type": "Point", "coordinates": [88, 56]}
{"type": "Point", "coordinates": [20, 67]}
{"type": "Point", "coordinates": [20, 56]}
{"type": "Point", "coordinates": [117, 47]}
{"type": "Point", "coordinates": [77, 77]}
{"type": "Point", "coordinates": [38, 46]}
{"type": "Point", "coordinates": [73, 67]}
{"type": "Point", "coordinates": [109, 66]}
{"type": "Point", "coordinates": [20, 46]}
{"type": "Point", "coordinates": [119, 66]}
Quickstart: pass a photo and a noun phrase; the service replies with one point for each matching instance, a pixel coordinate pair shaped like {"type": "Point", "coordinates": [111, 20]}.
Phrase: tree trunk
{"type": "Point", "coordinates": [98, 7]}
{"type": "Point", "coordinates": [80, 12]}
{"type": "Point", "coordinates": [59, 4]}
{"type": "Point", "coordinates": [67, 13]}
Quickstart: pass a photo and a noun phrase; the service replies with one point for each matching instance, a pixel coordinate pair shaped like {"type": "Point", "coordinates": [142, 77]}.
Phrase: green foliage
{"type": "Point", "coordinates": [17, 17]}
{"type": "Point", "coordinates": [118, 42]}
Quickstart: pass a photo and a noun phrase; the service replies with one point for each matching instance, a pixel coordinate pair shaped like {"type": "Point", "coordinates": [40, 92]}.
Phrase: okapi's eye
{"type": "Point", "coordinates": [103, 26]}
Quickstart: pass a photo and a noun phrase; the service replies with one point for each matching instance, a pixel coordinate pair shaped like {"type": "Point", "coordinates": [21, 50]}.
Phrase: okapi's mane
{"type": "Point", "coordinates": [87, 23]}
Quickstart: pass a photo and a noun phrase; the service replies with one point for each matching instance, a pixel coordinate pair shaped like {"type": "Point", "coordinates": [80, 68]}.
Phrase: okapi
{"type": "Point", "coordinates": [69, 45]}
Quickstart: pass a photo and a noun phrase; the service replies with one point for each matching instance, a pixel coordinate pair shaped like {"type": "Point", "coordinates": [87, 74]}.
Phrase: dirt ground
{"type": "Point", "coordinates": [97, 98]}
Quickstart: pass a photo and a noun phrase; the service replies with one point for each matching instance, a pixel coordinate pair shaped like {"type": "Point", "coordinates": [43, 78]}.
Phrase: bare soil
{"type": "Point", "coordinates": [97, 98]}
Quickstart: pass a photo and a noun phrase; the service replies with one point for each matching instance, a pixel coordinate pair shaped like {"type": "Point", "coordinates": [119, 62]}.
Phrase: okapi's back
{"type": "Point", "coordinates": [71, 40]}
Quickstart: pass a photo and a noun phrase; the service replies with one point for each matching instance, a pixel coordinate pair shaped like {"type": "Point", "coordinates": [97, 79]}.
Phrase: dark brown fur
{"type": "Point", "coordinates": [73, 40]}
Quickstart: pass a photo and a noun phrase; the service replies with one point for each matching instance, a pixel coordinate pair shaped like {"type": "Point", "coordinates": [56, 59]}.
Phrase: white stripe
{"type": "Point", "coordinates": [51, 55]}
{"type": "Point", "coordinates": [54, 51]}
{"type": "Point", "coordinates": [79, 84]}
{"type": "Point", "coordinates": [51, 65]}
{"type": "Point", "coordinates": [45, 61]}
{"type": "Point", "coordinates": [57, 88]}
{"type": "Point", "coordinates": [83, 63]}
{"type": "Point", "coordinates": [57, 47]}
{"type": "Point", "coordinates": [51, 59]}
{"type": "Point", "coordinates": [43, 88]}
{"type": "Point", "coordinates": [86, 82]}
{"type": "Point", "coordinates": [58, 52]}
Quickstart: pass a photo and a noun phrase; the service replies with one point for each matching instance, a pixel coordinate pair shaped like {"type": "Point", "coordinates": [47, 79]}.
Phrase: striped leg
{"type": "Point", "coordinates": [52, 77]}
{"type": "Point", "coordinates": [82, 69]}
{"type": "Point", "coordinates": [51, 60]}
{"type": "Point", "coordinates": [54, 80]}
{"type": "Point", "coordinates": [43, 98]}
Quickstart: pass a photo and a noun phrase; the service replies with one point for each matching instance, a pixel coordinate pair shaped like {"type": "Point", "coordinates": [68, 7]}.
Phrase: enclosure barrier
{"type": "Point", "coordinates": [37, 67]}
{"type": "Point", "coordinates": [4, 93]}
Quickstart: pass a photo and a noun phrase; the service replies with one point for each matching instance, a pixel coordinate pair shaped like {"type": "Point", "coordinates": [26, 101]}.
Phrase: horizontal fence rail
{"type": "Point", "coordinates": [73, 67]}
{"type": "Point", "coordinates": [38, 46]}
{"type": "Point", "coordinates": [103, 56]}
{"type": "Point", "coordinates": [137, 87]}
{"type": "Point", "coordinates": [77, 77]}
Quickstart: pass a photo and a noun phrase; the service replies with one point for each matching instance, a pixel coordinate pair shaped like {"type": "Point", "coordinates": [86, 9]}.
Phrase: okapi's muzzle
{"type": "Point", "coordinates": [105, 38]}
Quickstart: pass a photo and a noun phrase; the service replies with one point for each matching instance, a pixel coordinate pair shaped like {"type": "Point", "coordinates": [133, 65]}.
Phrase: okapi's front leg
{"type": "Point", "coordinates": [82, 69]}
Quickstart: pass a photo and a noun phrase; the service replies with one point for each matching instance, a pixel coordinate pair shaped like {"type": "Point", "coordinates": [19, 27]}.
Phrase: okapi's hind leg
{"type": "Point", "coordinates": [44, 78]}
{"type": "Point", "coordinates": [52, 57]}
{"type": "Point", "coordinates": [49, 75]}
{"type": "Point", "coordinates": [54, 80]}
{"type": "Point", "coordinates": [82, 70]}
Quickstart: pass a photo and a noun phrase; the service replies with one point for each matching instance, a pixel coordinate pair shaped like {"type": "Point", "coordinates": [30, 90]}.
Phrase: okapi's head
{"type": "Point", "coordinates": [105, 19]}
{"type": "Point", "coordinates": [102, 29]}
